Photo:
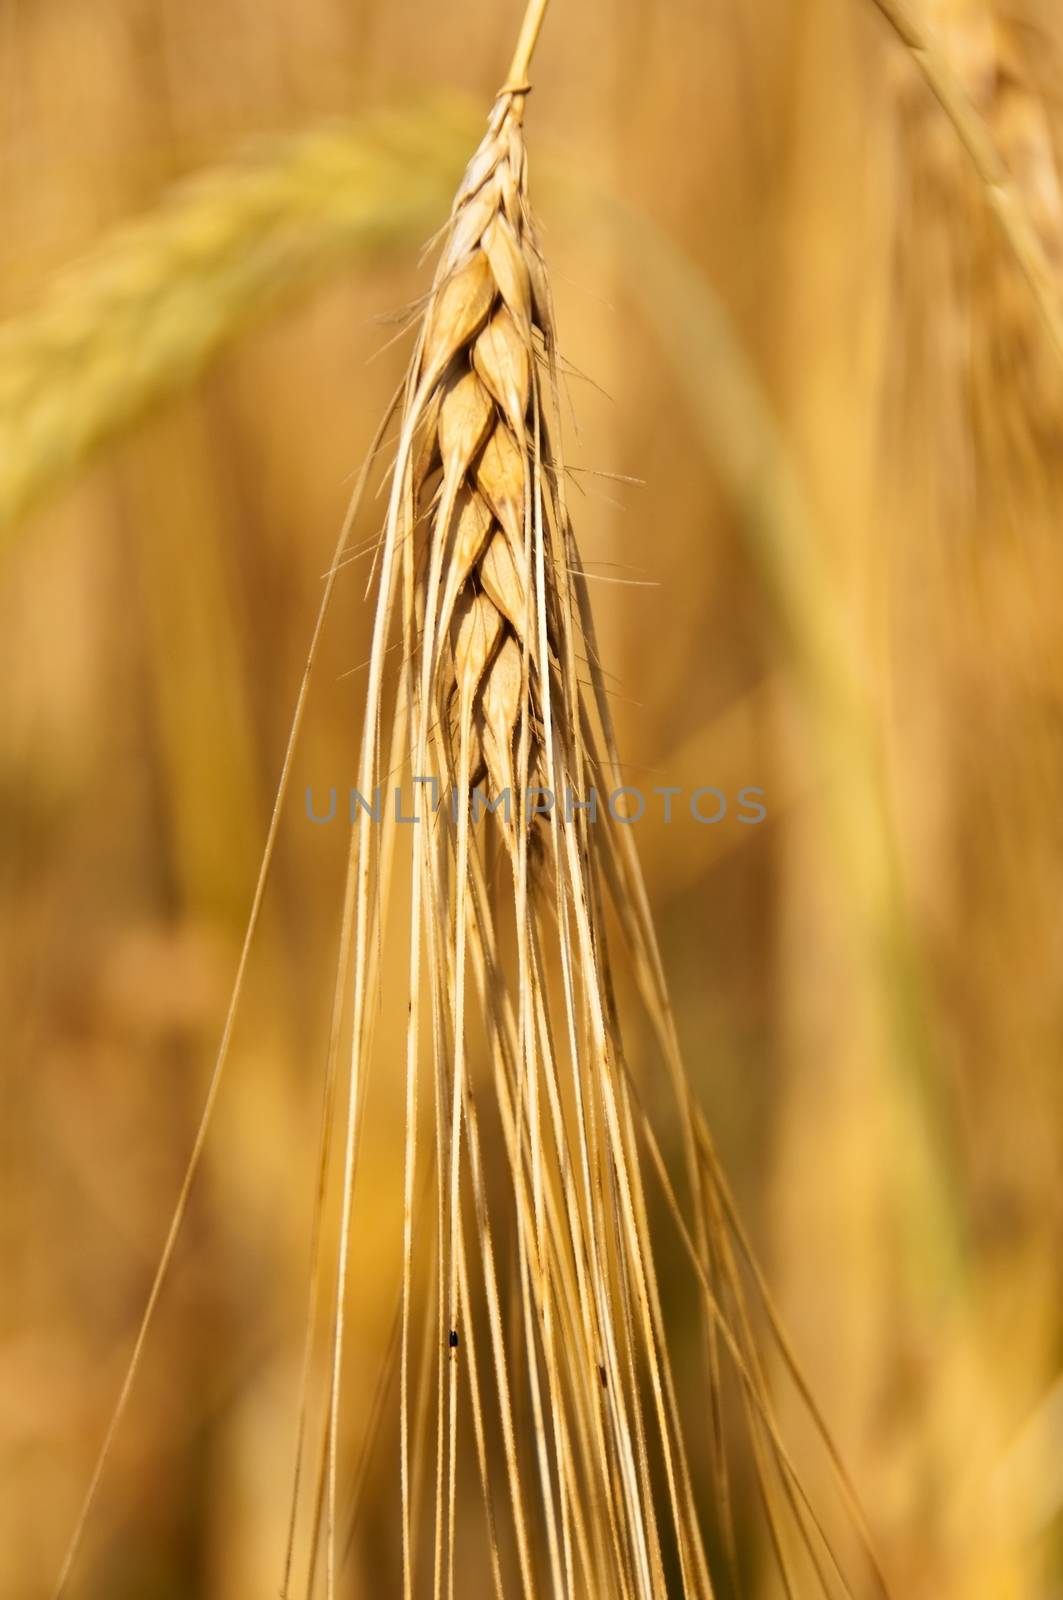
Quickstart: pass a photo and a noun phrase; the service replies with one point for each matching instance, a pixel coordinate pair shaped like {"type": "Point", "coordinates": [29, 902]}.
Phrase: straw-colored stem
{"type": "Point", "coordinates": [529, 37]}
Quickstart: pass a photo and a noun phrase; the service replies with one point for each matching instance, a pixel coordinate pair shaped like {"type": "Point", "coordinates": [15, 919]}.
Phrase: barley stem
{"type": "Point", "coordinates": [529, 37]}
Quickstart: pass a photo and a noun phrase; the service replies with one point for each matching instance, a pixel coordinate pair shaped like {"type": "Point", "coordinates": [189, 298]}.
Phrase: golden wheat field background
{"type": "Point", "coordinates": [808, 314]}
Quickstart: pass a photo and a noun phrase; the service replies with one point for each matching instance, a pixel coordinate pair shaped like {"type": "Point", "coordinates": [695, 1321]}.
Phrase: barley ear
{"type": "Point", "coordinates": [514, 985]}
{"type": "Point", "coordinates": [1001, 194]}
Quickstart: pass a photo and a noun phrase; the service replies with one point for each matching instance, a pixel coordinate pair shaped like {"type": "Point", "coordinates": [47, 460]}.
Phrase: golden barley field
{"type": "Point", "coordinates": [744, 334]}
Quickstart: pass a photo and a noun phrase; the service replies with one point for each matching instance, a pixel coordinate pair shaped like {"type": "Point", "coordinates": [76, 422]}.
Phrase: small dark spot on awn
{"type": "Point", "coordinates": [605, 1380]}
{"type": "Point", "coordinates": [453, 1341]}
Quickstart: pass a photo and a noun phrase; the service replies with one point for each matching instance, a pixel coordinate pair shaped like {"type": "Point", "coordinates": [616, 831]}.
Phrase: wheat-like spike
{"type": "Point", "coordinates": [480, 575]}
{"type": "Point", "coordinates": [1002, 194]}
{"type": "Point", "coordinates": [1002, 355]}
{"type": "Point", "coordinates": [473, 385]}
{"type": "Point", "coordinates": [143, 314]}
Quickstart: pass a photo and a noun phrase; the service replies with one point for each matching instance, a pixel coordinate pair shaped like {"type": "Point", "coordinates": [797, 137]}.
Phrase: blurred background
{"type": "Point", "coordinates": [800, 329]}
